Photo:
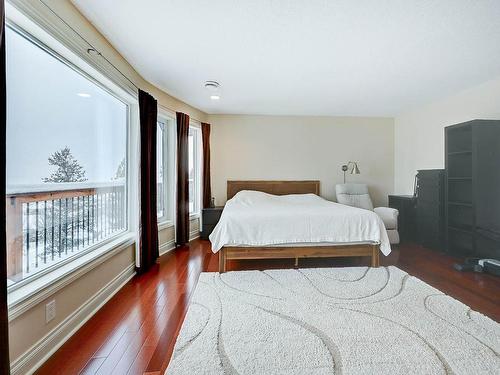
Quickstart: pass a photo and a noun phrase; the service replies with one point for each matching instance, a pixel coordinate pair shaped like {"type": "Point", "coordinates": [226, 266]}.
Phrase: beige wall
{"type": "Point", "coordinates": [419, 134]}
{"type": "Point", "coordinates": [194, 228]}
{"type": "Point", "coordinates": [287, 148]}
{"type": "Point", "coordinates": [166, 235]}
{"type": "Point", "coordinates": [30, 327]}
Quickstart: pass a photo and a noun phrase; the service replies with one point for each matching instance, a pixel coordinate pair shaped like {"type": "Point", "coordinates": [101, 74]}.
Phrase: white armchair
{"type": "Point", "coordinates": [357, 195]}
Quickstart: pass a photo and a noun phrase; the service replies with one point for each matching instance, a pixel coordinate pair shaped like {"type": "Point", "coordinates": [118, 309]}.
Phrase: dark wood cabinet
{"type": "Point", "coordinates": [209, 218]}
{"type": "Point", "coordinates": [473, 188]}
{"type": "Point", "coordinates": [430, 208]}
{"type": "Point", "coordinates": [406, 205]}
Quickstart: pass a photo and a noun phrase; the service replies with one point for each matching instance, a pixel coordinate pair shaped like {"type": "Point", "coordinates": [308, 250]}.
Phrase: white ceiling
{"type": "Point", "coordinates": [305, 57]}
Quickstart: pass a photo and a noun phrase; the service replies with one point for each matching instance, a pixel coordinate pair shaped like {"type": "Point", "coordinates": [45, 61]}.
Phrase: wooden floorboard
{"type": "Point", "coordinates": [135, 332]}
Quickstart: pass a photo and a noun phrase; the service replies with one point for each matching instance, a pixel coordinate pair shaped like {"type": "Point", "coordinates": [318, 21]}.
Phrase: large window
{"type": "Point", "coordinates": [66, 160]}
{"type": "Point", "coordinates": [194, 170]}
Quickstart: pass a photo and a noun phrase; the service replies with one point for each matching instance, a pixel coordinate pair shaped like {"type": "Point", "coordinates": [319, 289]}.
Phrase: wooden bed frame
{"type": "Point", "coordinates": [282, 188]}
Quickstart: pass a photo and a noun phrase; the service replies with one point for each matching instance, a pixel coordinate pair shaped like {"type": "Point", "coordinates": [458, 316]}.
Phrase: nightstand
{"type": "Point", "coordinates": [209, 217]}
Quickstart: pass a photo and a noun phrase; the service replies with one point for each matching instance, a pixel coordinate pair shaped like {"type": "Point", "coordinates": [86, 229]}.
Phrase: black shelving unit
{"type": "Point", "coordinates": [472, 190]}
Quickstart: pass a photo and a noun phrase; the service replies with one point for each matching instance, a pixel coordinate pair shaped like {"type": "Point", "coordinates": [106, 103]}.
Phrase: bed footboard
{"type": "Point", "coordinates": [239, 253]}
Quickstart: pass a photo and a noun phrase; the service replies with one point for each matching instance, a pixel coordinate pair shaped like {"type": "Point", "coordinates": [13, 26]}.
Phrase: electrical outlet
{"type": "Point", "coordinates": [50, 311]}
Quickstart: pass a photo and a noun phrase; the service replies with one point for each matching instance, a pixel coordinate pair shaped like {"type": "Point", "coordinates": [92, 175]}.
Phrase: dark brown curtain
{"type": "Point", "coordinates": [148, 111]}
{"type": "Point", "coordinates": [207, 188]}
{"type": "Point", "coordinates": [4, 319]}
{"type": "Point", "coordinates": [182, 227]}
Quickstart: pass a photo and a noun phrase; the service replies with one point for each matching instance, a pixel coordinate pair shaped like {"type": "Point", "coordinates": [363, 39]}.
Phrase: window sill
{"type": "Point", "coordinates": [22, 299]}
{"type": "Point", "coordinates": [165, 224]}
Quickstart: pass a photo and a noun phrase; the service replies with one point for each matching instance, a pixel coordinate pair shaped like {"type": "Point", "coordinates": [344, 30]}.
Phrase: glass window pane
{"type": "Point", "coordinates": [160, 172]}
{"type": "Point", "coordinates": [191, 172]}
{"type": "Point", "coordinates": [66, 160]}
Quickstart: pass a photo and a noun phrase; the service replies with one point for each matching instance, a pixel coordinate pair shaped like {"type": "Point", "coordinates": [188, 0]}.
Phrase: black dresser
{"type": "Point", "coordinates": [405, 204]}
{"type": "Point", "coordinates": [209, 217]}
{"type": "Point", "coordinates": [430, 208]}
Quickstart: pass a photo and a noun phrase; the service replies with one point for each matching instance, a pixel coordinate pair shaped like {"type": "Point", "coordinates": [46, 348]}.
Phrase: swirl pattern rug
{"type": "Point", "coordinates": [355, 320]}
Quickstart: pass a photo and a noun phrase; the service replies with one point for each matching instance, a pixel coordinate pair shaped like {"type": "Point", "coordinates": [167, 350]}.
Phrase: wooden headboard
{"type": "Point", "coordinates": [273, 187]}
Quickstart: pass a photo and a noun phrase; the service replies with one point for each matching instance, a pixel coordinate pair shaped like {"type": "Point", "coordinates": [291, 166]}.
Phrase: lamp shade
{"type": "Point", "coordinates": [355, 169]}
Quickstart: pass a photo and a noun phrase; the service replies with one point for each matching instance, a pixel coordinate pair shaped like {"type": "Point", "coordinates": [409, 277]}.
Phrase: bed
{"type": "Point", "coordinates": [288, 219]}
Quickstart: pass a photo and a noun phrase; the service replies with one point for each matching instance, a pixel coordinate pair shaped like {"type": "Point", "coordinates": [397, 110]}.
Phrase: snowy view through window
{"type": "Point", "coordinates": [191, 172]}
{"type": "Point", "coordinates": [160, 173]}
{"type": "Point", "coordinates": [66, 160]}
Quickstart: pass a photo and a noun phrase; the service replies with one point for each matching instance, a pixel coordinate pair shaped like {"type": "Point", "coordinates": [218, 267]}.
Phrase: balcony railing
{"type": "Point", "coordinates": [49, 223]}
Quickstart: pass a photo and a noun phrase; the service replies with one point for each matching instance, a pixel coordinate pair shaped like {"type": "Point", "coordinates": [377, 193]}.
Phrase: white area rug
{"type": "Point", "coordinates": [331, 321]}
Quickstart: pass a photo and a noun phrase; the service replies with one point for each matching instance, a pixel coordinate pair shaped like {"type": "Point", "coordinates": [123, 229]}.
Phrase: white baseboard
{"type": "Point", "coordinates": [194, 235]}
{"type": "Point", "coordinates": [166, 247]}
{"type": "Point", "coordinates": [34, 357]}
{"type": "Point", "coordinates": [170, 245]}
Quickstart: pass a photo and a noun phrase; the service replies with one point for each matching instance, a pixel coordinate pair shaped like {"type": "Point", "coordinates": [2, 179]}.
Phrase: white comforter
{"type": "Point", "coordinates": [253, 218]}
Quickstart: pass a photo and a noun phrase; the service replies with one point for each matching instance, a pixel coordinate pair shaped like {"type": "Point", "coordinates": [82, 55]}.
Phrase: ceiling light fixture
{"type": "Point", "coordinates": [83, 95]}
{"type": "Point", "coordinates": [212, 85]}
{"type": "Point", "coordinates": [213, 88]}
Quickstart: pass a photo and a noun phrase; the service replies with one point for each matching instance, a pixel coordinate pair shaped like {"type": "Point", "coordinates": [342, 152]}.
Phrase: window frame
{"type": "Point", "coordinates": [168, 143]}
{"type": "Point", "coordinates": [196, 128]}
{"type": "Point", "coordinates": [40, 38]}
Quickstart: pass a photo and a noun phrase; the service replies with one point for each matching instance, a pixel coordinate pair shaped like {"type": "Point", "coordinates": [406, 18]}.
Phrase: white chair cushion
{"type": "Point", "coordinates": [355, 195]}
{"type": "Point", "coordinates": [360, 200]}
{"type": "Point", "coordinates": [389, 216]}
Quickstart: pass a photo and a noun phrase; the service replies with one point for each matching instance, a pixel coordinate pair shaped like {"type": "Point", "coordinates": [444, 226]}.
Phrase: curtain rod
{"type": "Point", "coordinates": [174, 111]}
{"type": "Point", "coordinates": [101, 55]}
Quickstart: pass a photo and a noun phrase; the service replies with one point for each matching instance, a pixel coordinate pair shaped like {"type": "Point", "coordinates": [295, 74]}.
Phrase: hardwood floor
{"type": "Point", "coordinates": [134, 333]}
